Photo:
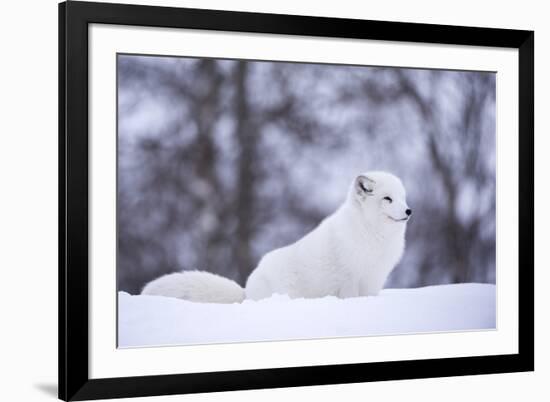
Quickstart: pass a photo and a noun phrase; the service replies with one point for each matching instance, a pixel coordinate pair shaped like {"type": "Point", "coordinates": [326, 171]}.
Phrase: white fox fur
{"type": "Point", "coordinates": [350, 253]}
{"type": "Point", "coordinates": [196, 286]}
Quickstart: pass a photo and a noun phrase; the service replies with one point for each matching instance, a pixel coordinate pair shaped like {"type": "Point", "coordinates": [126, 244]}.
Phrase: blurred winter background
{"type": "Point", "coordinates": [221, 161]}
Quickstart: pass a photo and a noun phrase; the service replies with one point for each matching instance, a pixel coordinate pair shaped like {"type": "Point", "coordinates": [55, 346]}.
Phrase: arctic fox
{"type": "Point", "coordinates": [350, 253]}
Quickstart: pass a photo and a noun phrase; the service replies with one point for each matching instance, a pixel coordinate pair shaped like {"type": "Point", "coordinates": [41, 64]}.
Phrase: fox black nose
{"type": "Point", "coordinates": [408, 212]}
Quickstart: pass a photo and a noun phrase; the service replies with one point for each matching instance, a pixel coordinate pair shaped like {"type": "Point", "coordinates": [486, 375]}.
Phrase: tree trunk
{"type": "Point", "coordinates": [244, 202]}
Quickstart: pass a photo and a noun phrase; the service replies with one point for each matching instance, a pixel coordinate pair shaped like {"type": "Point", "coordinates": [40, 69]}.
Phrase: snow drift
{"type": "Point", "coordinates": [154, 320]}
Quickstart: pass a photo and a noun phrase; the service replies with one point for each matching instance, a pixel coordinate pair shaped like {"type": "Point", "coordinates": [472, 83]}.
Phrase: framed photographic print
{"type": "Point", "coordinates": [257, 200]}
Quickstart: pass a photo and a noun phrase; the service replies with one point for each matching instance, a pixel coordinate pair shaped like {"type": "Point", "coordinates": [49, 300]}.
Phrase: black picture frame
{"type": "Point", "coordinates": [74, 18]}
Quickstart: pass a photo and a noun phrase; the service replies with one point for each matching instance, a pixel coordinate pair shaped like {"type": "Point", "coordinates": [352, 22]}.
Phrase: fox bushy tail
{"type": "Point", "coordinates": [196, 286]}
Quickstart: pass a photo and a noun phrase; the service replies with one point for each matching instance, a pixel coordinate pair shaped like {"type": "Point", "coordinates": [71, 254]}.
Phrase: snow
{"type": "Point", "coordinates": [156, 320]}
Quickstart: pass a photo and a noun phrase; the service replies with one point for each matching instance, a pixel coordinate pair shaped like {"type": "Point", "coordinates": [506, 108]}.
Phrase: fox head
{"type": "Point", "coordinates": [381, 198]}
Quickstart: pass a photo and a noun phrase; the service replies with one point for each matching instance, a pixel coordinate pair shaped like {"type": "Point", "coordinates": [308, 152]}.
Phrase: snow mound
{"type": "Point", "coordinates": [156, 320]}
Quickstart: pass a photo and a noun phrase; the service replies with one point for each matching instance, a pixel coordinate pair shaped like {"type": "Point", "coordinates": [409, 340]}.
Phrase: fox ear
{"type": "Point", "coordinates": [364, 185]}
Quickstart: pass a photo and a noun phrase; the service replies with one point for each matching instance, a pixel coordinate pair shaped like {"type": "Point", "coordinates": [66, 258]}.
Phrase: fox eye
{"type": "Point", "coordinates": [388, 199]}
